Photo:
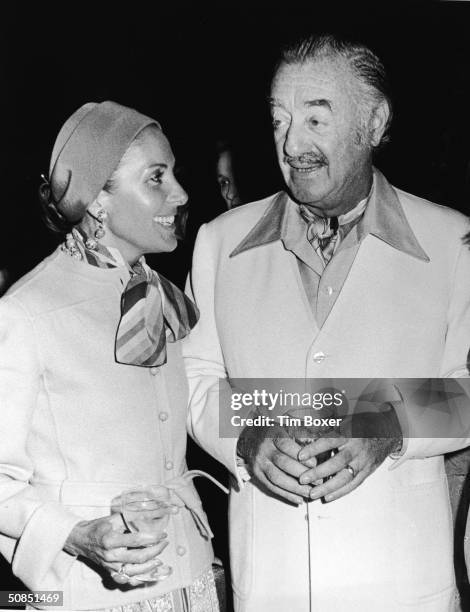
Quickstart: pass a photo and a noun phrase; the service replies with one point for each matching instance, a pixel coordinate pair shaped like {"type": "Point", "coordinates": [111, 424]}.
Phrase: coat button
{"type": "Point", "coordinates": [329, 290]}
{"type": "Point", "coordinates": [169, 465]}
{"type": "Point", "coordinates": [180, 550]}
{"type": "Point", "coordinates": [319, 357]}
{"type": "Point", "coordinates": [154, 371]}
{"type": "Point", "coordinates": [163, 416]}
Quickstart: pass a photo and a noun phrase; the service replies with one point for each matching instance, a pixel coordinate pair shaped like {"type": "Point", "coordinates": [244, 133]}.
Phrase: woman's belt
{"type": "Point", "coordinates": [100, 494]}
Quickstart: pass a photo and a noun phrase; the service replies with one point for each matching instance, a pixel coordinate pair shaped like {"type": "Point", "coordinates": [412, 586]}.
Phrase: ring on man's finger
{"type": "Point", "coordinates": [351, 470]}
{"type": "Point", "coordinates": [120, 576]}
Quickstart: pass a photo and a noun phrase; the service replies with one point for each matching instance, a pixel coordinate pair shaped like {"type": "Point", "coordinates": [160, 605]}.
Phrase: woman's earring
{"type": "Point", "coordinates": [99, 217]}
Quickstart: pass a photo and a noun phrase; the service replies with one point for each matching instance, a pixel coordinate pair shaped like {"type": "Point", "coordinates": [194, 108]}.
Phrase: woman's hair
{"type": "Point", "coordinates": [52, 217]}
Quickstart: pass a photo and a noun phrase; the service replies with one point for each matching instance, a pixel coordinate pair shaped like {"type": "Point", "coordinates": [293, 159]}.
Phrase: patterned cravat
{"type": "Point", "coordinates": [322, 233]}
{"type": "Point", "coordinates": [326, 233]}
{"type": "Point", "coordinates": [153, 310]}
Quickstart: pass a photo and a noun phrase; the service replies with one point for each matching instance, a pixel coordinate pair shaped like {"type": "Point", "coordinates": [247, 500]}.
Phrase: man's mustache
{"type": "Point", "coordinates": [306, 159]}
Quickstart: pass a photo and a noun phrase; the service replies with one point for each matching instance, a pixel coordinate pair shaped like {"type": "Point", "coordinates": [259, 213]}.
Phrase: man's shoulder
{"type": "Point", "coordinates": [431, 216]}
{"type": "Point", "coordinates": [229, 229]}
{"type": "Point", "coordinates": [241, 218]}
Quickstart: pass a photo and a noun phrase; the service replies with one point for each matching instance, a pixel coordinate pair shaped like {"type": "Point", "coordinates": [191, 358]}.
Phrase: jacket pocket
{"type": "Point", "coordinates": [423, 550]}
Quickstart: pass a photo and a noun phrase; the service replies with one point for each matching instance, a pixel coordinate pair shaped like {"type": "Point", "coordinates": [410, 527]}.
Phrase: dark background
{"type": "Point", "coordinates": [203, 71]}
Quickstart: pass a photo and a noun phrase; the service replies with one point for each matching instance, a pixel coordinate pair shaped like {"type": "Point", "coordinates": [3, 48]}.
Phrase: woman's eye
{"type": "Point", "coordinates": [314, 122]}
{"type": "Point", "coordinates": [157, 178]}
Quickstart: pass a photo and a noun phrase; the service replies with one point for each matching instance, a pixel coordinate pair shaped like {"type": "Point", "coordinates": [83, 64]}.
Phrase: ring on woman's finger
{"type": "Point", "coordinates": [351, 470]}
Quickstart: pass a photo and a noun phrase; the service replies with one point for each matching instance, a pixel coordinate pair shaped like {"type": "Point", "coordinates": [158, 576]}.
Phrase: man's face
{"type": "Point", "coordinates": [317, 133]}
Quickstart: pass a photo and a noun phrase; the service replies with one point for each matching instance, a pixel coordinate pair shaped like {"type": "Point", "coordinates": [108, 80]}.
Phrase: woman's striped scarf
{"type": "Point", "coordinates": [153, 310]}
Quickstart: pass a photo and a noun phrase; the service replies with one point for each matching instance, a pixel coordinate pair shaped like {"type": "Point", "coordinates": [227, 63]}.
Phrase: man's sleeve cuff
{"type": "Point", "coordinates": [402, 455]}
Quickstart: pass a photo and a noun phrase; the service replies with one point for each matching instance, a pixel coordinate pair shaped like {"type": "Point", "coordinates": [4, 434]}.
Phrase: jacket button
{"type": "Point", "coordinates": [319, 357]}
{"type": "Point", "coordinates": [154, 371]}
{"type": "Point", "coordinates": [163, 416]}
{"type": "Point", "coordinates": [329, 290]}
{"type": "Point", "coordinates": [169, 465]}
{"type": "Point", "coordinates": [180, 550]}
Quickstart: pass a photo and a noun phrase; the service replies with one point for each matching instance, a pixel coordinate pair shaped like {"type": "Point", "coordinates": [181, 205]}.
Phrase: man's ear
{"type": "Point", "coordinates": [378, 122]}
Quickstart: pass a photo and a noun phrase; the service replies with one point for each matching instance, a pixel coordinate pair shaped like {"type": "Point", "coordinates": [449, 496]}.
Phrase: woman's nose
{"type": "Point", "coordinates": [178, 195]}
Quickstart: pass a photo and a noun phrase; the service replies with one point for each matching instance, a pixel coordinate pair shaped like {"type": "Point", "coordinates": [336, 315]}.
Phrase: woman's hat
{"type": "Point", "coordinates": [87, 150]}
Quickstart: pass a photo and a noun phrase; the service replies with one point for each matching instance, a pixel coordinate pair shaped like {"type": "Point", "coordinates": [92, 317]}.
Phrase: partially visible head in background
{"type": "Point", "coordinates": [3, 280]}
{"type": "Point", "coordinates": [111, 173]}
{"type": "Point", "coordinates": [226, 174]}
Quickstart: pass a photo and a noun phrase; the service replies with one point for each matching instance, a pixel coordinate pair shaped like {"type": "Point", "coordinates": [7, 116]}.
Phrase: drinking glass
{"type": "Point", "coordinates": [147, 510]}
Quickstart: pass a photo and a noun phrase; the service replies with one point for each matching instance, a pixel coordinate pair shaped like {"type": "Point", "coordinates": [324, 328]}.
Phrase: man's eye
{"type": "Point", "coordinates": [314, 122]}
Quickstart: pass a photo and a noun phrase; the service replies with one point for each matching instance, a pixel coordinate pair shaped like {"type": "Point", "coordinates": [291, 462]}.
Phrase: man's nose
{"type": "Point", "coordinates": [296, 141]}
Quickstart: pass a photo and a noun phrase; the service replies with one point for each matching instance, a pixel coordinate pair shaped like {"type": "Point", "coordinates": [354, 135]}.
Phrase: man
{"type": "Point", "coordinates": [341, 276]}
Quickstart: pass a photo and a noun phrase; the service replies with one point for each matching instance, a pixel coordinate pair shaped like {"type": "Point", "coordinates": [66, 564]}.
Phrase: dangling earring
{"type": "Point", "coordinates": [101, 215]}
{"type": "Point", "coordinates": [100, 232]}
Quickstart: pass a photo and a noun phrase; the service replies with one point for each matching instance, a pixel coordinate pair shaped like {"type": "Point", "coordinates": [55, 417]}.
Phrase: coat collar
{"type": "Point", "coordinates": [384, 218]}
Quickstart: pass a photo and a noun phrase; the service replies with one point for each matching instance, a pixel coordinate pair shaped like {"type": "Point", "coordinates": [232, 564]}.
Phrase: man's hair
{"type": "Point", "coordinates": [364, 64]}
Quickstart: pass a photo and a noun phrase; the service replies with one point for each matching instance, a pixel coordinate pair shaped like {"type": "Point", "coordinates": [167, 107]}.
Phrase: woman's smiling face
{"type": "Point", "coordinates": [143, 201]}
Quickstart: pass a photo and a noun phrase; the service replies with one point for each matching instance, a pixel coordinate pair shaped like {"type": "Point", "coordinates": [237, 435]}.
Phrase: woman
{"type": "Point", "coordinates": [92, 387]}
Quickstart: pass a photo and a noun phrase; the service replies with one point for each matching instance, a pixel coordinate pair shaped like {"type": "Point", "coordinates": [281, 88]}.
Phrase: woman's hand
{"type": "Point", "coordinates": [124, 555]}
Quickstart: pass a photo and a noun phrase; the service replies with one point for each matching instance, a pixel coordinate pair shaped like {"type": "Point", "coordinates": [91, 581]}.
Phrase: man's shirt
{"type": "Point", "coordinates": [323, 283]}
